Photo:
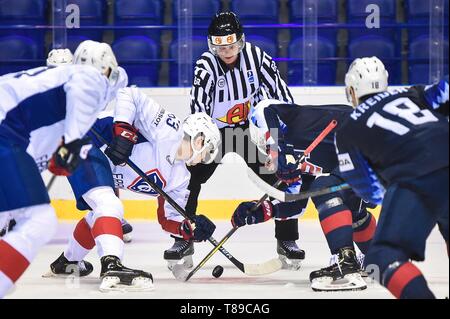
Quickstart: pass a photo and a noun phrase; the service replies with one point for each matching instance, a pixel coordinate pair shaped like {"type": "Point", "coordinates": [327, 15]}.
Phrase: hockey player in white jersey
{"type": "Point", "coordinates": [157, 142]}
{"type": "Point", "coordinates": [59, 57]}
{"type": "Point", "coordinates": [63, 103]}
{"type": "Point", "coordinates": [56, 57]}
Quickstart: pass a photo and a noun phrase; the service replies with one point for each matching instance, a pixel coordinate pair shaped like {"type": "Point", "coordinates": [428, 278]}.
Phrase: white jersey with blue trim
{"type": "Point", "coordinates": [155, 156]}
{"type": "Point", "coordinates": [40, 106]}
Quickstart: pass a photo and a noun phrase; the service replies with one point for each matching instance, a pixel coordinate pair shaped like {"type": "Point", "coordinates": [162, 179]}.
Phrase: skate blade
{"type": "Point", "coordinates": [350, 282]}
{"type": "Point", "coordinates": [180, 272]}
{"type": "Point", "coordinates": [187, 263]}
{"type": "Point", "coordinates": [290, 264]}
{"type": "Point", "coordinates": [51, 274]}
{"type": "Point", "coordinates": [139, 284]}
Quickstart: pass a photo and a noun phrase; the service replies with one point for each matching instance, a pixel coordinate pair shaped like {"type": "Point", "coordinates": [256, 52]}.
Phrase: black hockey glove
{"type": "Point", "coordinates": [68, 156]}
{"type": "Point", "coordinates": [124, 138]}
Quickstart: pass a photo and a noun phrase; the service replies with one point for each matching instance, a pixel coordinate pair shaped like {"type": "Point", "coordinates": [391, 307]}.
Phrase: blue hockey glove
{"type": "Point", "coordinates": [288, 170]}
{"type": "Point", "coordinates": [244, 216]}
{"type": "Point", "coordinates": [204, 228]}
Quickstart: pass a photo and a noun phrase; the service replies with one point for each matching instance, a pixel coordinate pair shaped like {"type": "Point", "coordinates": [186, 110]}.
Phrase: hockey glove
{"type": "Point", "coordinates": [244, 216]}
{"type": "Point", "coordinates": [68, 156]}
{"type": "Point", "coordinates": [185, 230]}
{"type": "Point", "coordinates": [288, 170]}
{"type": "Point", "coordinates": [204, 228]}
{"type": "Point", "coordinates": [124, 138]}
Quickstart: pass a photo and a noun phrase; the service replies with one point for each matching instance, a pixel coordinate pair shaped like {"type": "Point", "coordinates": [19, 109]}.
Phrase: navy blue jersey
{"type": "Point", "coordinates": [301, 124]}
{"type": "Point", "coordinates": [392, 137]}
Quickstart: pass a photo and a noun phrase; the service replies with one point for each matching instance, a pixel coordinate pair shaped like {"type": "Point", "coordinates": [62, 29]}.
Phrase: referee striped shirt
{"type": "Point", "coordinates": [227, 94]}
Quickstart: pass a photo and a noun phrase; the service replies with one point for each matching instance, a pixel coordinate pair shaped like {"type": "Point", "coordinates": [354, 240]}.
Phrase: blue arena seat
{"type": "Point", "coordinates": [326, 69]}
{"type": "Point", "coordinates": [202, 13]}
{"type": "Point", "coordinates": [26, 12]}
{"type": "Point", "coordinates": [135, 55]}
{"type": "Point", "coordinates": [257, 12]}
{"type": "Point", "coordinates": [267, 45]}
{"type": "Point", "coordinates": [139, 12]}
{"type": "Point", "coordinates": [74, 41]}
{"type": "Point", "coordinates": [356, 14]}
{"type": "Point", "coordinates": [418, 11]}
{"type": "Point", "coordinates": [327, 12]}
{"type": "Point", "coordinates": [381, 47]}
{"type": "Point", "coordinates": [419, 55]}
{"type": "Point", "coordinates": [92, 13]}
{"type": "Point", "coordinates": [17, 47]}
{"type": "Point", "coordinates": [199, 46]}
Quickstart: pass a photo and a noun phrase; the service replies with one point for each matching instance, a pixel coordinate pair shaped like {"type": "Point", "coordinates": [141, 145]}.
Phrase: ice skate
{"type": "Point", "coordinates": [127, 229]}
{"type": "Point", "coordinates": [62, 267]}
{"type": "Point", "coordinates": [343, 275]}
{"type": "Point", "coordinates": [116, 277]}
{"type": "Point", "coordinates": [7, 228]}
{"type": "Point", "coordinates": [290, 254]}
{"type": "Point", "coordinates": [182, 250]}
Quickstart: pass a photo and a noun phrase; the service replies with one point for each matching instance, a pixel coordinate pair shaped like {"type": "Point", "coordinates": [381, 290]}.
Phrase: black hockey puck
{"type": "Point", "coordinates": [217, 271]}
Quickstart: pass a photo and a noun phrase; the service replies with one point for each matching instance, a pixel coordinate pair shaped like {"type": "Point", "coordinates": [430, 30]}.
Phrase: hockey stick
{"type": "Point", "coordinates": [251, 270]}
{"type": "Point", "coordinates": [273, 264]}
{"type": "Point", "coordinates": [50, 182]}
{"type": "Point", "coordinates": [286, 197]}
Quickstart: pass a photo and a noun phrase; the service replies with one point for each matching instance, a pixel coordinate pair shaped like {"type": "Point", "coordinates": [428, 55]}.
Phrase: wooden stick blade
{"type": "Point", "coordinates": [265, 268]}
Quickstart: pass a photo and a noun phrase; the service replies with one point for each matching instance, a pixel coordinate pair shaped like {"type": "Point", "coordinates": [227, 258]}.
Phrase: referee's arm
{"type": "Point", "coordinates": [202, 91]}
{"type": "Point", "coordinates": [275, 87]}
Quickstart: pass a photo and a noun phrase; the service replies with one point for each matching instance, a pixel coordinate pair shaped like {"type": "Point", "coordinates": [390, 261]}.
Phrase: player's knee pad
{"type": "Point", "coordinates": [104, 203]}
{"type": "Point", "coordinates": [35, 227]}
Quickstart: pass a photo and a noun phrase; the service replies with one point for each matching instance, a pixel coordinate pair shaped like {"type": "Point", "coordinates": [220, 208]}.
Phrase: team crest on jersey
{"type": "Point", "coordinates": [237, 114]}
{"type": "Point", "coordinates": [141, 186]}
{"type": "Point", "coordinates": [250, 77]}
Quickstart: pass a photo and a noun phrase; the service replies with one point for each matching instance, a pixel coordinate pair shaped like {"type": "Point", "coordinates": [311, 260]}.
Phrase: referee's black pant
{"type": "Point", "coordinates": [200, 174]}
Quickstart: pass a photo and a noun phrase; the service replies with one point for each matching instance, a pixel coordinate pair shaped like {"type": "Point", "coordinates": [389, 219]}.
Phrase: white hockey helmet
{"type": "Point", "coordinates": [100, 56]}
{"type": "Point", "coordinates": [202, 124]}
{"type": "Point", "coordinates": [58, 57]}
{"type": "Point", "coordinates": [259, 132]}
{"type": "Point", "coordinates": [366, 76]}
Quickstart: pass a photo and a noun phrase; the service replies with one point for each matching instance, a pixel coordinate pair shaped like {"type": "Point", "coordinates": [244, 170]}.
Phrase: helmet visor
{"type": "Point", "coordinates": [226, 45]}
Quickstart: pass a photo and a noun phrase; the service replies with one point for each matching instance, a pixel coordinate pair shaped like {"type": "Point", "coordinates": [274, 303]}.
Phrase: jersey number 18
{"type": "Point", "coordinates": [405, 109]}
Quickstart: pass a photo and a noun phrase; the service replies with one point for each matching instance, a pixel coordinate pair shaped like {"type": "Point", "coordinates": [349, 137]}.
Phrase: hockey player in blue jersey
{"type": "Point", "coordinates": [296, 127]}
{"type": "Point", "coordinates": [393, 150]}
{"type": "Point", "coordinates": [58, 103]}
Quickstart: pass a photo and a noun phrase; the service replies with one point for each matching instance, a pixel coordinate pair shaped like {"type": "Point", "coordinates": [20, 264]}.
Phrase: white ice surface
{"type": "Point", "coordinates": [251, 244]}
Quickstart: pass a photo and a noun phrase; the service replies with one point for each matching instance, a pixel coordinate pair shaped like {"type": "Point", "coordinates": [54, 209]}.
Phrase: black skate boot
{"type": "Point", "coordinates": [181, 250]}
{"type": "Point", "coordinates": [290, 254]}
{"type": "Point", "coordinates": [116, 276]}
{"type": "Point", "coordinates": [126, 229]}
{"type": "Point", "coordinates": [63, 267]}
{"type": "Point", "coordinates": [341, 276]}
{"type": "Point", "coordinates": [8, 228]}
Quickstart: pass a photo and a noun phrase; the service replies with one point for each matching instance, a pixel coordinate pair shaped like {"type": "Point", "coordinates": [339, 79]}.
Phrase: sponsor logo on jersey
{"type": "Point", "coordinates": [237, 114]}
{"type": "Point", "coordinates": [159, 117]}
{"type": "Point", "coordinates": [141, 186]}
{"type": "Point", "coordinates": [250, 77]}
{"type": "Point", "coordinates": [345, 162]}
